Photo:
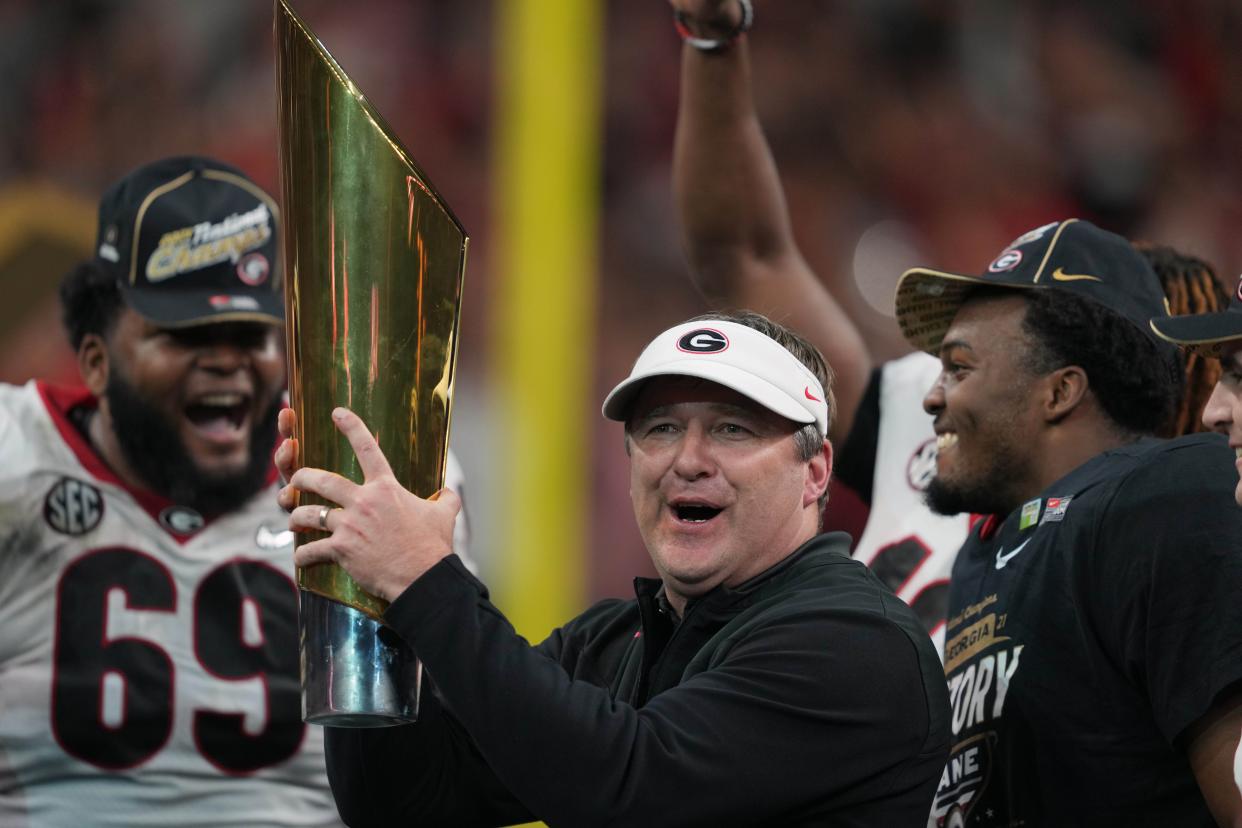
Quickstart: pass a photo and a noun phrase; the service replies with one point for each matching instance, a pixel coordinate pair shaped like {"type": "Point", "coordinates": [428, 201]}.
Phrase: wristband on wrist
{"type": "Point", "coordinates": [706, 44]}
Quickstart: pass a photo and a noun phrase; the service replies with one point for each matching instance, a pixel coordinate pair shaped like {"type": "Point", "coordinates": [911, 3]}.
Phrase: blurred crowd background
{"type": "Point", "coordinates": [907, 131]}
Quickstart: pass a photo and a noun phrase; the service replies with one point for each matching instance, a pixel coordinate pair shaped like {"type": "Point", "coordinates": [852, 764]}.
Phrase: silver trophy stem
{"type": "Point", "coordinates": [355, 671]}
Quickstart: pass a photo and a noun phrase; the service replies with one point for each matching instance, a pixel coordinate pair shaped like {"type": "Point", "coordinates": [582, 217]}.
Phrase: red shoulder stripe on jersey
{"type": "Point", "coordinates": [59, 400]}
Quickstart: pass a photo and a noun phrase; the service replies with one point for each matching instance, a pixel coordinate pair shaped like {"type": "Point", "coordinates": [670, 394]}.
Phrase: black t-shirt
{"type": "Point", "coordinates": [1086, 634]}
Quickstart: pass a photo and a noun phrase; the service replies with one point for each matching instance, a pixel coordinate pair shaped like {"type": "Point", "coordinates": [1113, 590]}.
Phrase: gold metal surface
{"type": "Point", "coordinates": [373, 263]}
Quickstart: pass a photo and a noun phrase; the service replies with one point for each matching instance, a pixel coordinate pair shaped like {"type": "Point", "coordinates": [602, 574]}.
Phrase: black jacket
{"type": "Point", "coordinates": [807, 696]}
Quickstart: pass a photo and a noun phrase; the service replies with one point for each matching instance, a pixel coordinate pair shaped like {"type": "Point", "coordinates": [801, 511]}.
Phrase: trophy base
{"type": "Point", "coordinates": [355, 671]}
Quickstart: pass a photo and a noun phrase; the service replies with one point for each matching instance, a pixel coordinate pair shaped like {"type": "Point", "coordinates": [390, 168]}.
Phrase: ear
{"type": "Point", "coordinates": [818, 473]}
{"type": "Point", "coordinates": [93, 363]}
{"type": "Point", "coordinates": [1065, 389]}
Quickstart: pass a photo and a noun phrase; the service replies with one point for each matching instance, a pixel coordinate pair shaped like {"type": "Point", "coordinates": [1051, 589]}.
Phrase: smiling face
{"type": "Point", "coordinates": [717, 487]}
{"type": "Point", "coordinates": [1223, 412]}
{"type": "Point", "coordinates": [204, 395]}
{"type": "Point", "coordinates": [986, 416]}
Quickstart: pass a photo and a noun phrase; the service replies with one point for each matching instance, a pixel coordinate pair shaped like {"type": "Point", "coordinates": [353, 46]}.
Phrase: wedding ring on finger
{"type": "Point", "coordinates": [324, 511]}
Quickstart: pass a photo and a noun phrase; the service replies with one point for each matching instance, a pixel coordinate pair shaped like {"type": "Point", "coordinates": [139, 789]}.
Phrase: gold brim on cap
{"type": "Point", "coordinates": [927, 301]}
{"type": "Point", "coordinates": [1211, 347]}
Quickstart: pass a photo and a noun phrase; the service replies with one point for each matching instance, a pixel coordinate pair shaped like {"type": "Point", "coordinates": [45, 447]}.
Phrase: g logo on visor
{"type": "Point", "coordinates": [703, 341]}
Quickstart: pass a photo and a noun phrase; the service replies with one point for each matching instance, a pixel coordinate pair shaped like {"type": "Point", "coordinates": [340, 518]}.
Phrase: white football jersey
{"type": "Point", "coordinates": [906, 544]}
{"type": "Point", "coordinates": [148, 659]}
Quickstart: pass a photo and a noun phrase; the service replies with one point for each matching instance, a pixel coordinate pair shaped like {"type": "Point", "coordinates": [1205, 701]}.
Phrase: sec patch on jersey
{"type": "Point", "coordinates": [73, 507]}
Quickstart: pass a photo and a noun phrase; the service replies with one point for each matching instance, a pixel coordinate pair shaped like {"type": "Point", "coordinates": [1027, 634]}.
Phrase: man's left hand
{"type": "Point", "coordinates": [384, 536]}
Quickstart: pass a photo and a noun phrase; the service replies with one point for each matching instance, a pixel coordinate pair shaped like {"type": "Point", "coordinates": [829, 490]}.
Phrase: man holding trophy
{"type": "Point", "coordinates": [738, 688]}
{"type": "Point", "coordinates": [741, 687]}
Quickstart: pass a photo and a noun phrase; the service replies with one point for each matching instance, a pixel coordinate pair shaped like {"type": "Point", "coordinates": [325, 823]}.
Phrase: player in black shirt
{"type": "Point", "coordinates": [1094, 638]}
{"type": "Point", "coordinates": [737, 229]}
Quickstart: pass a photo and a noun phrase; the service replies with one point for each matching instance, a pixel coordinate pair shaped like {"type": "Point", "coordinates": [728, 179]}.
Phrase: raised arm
{"type": "Point", "coordinates": [735, 223]}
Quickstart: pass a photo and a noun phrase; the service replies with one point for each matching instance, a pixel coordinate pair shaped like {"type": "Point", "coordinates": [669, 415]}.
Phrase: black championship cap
{"type": "Point", "coordinates": [1071, 255]}
{"type": "Point", "coordinates": [192, 240]}
{"type": "Point", "coordinates": [1204, 333]}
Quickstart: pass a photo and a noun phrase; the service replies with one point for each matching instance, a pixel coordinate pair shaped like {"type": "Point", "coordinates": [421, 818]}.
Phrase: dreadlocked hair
{"type": "Point", "coordinates": [1191, 286]}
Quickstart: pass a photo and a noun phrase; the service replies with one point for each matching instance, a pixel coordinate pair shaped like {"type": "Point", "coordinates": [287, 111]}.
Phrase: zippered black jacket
{"type": "Point", "coordinates": [808, 696]}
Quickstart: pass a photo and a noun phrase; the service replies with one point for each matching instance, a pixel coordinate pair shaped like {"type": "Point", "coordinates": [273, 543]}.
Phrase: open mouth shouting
{"type": "Point", "coordinates": [220, 417]}
{"type": "Point", "coordinates": [692, 511]}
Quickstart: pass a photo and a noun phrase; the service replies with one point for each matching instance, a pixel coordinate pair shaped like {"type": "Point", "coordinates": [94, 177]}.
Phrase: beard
{"type": "Point", "coordinates": [988, 493]}
{"type": "Point", "coordinates": [154, 450]}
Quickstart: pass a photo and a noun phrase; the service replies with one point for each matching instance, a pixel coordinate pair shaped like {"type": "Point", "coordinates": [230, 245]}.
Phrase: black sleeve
{"type": "Point", "coordinates": [854, 463]}
{"type": "Point", "coordinates": [1174, 532]}
{"type": "Point", "coordinates": [429, 771]}
{"type": "Point", "coordinates": [775, 724]}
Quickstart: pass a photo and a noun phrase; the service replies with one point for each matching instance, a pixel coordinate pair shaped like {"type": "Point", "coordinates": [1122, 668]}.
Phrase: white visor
{"type": "Point", "coordinates": [731, 355]}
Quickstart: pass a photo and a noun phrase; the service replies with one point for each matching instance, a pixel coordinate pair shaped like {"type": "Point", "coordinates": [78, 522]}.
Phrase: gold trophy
{"type": "Point", "coordinates": [373, 263]}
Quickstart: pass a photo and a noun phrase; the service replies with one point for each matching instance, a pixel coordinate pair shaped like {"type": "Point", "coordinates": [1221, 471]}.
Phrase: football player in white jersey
{"type": "Point", "coordinates": [148, 632]}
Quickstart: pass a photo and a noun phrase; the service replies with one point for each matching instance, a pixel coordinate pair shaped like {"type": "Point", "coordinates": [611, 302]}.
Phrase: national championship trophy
{"type": "Point", "coordinates": [373, 264]}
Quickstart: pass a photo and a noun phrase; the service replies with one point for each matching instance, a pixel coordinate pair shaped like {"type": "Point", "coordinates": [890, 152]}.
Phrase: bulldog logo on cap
{"type": "Point", "coordinates": [703, 341]}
